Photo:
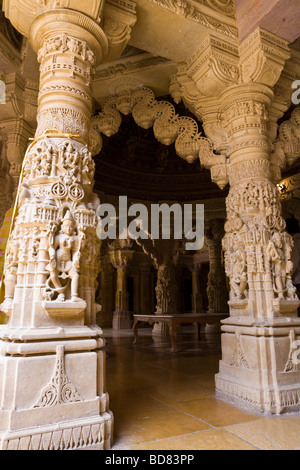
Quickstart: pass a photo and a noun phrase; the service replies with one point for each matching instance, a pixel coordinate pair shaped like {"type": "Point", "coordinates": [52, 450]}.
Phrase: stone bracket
{"type": "Point", "coordinates": [262, 57]}
{"type": "Point", "coordinates": [65, 310]}
{"type": "Point", "coordinates": [119, 19]}
{"type": "Point", "coordinates": [286, 307]}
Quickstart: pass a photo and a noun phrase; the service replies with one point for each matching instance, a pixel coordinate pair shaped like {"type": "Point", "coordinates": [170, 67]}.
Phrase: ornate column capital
{"type": "Point", "coordinates": [230, 89]}
{"type": "Point", "coordinates": [49, 27]}
{"type": "Point", "coordinates": [69, 45]}
{"type": "Point", "coordinates": [120, 253]}
{"type": "Point", "coordinates": [121, 258]}
{"type": "Point", "coordinates": [22, 13]}
{"type": "Point", "coordinates": [110, 22]}
{"type": "Point", "coordinates": [214, 66]}
{"type": "Point", "coordinates": [217, 65]}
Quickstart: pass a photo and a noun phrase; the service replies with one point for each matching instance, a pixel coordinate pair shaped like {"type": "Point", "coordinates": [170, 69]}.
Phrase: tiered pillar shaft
{"type": "Point", "coordinates": [257, 342]}
{"type": "Point", "coordinates": [51, 344]}
{"type": "Point", "coordinates": [120, 258]}
{"type": "Point", "coordinates": [239, 105]}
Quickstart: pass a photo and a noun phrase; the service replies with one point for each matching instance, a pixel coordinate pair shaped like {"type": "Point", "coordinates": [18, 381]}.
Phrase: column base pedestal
{"type": "Point", "coordinates": [260, 366]}
{"type": "Point", "coordinates": [122, 320]}
{"type": "Point", "coordinates": [52, 389]}
{"type": "Point", "coordinates": [267, 401]}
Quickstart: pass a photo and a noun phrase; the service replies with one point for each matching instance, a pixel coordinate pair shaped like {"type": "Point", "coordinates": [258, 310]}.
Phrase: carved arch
{"type": "Point", "coordinates": [168, 128]}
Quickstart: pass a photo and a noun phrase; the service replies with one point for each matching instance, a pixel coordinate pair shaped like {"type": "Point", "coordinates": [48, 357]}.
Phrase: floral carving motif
{"type": "Point", "coordinates": [60, 389]}
{"type": "Point", "coordinates": [239, 358]}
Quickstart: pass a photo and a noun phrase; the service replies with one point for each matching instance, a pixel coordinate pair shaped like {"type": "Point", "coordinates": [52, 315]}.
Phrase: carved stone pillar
{"type": "Point", "coordinates": [5, 181]}
{"type": "Point", "coordinates": [258, 337]}
{"type": "Point", "coordinates": [216, 285]}
{"type": "Point", "coordinates": [166, 294]}
{"type": "Point", "coordinates": [240, 109]}
{"type": "Point", "coordinates": [14, 135]}
{"type": "Point", "coordinates": [54, 395]}
{"type": "Point", "coordinates": [166, 289]}
{"type": "Point", "coordinates": [164, 254]}
{"type": "Point", "coordinates": [106, 314]}
{"type": "Point", "coordinates": [197, 301]}
{"type": "Point", "coordinates": [145, 289]}
{"type": "Point", "coordinates": [136, 291]}
{"type": "Point", "coordinates": [196, 296]}
{"type": "Point", "coordinates": [122, 318]}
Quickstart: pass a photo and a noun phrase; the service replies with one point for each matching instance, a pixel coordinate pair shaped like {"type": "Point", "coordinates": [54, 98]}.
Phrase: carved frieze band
{"type": "Point", "coordinates": [77, 436]}
{"type": "Point", "coordinates": [271, 399]}
{"type": "Point", "coordinates": [191, 9]}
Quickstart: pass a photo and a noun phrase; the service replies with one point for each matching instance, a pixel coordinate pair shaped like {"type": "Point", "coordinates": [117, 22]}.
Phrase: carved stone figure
{"type": "Point", "coordinates": [276, 257]}
{"type": "Point", "coordinates": [10, 273]}
{"type": "Point", "coordinates": [65, 252]}
{"type": "Point", "coordinates": [238, 278]}
{"type": "Point", "coordinates": [291, 290]}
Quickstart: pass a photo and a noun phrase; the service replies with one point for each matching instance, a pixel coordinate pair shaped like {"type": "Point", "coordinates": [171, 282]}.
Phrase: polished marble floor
{"type": "Point", "coordinates": [165, 401]}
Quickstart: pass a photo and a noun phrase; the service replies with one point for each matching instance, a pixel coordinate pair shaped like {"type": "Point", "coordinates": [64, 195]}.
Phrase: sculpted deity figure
{"type": "Point", "coordinates": [238, 279]}
{"type": "Point", "coordinates": [65, 252]}
{"type": "Point", "coordinates": [88, 167]}
{"type": "Point", "coordinates": [10, 272]}
{"type": "Point", "coordinates": [74, 45]}
{"type": "Point", "coordinates": [69, 161]}
{"type": "Point", "coordinates": [46, 161]}
{"type": "Point", "coordinates": [276, 256]}
{"type": "Point", "coordinates": [291, 290]}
